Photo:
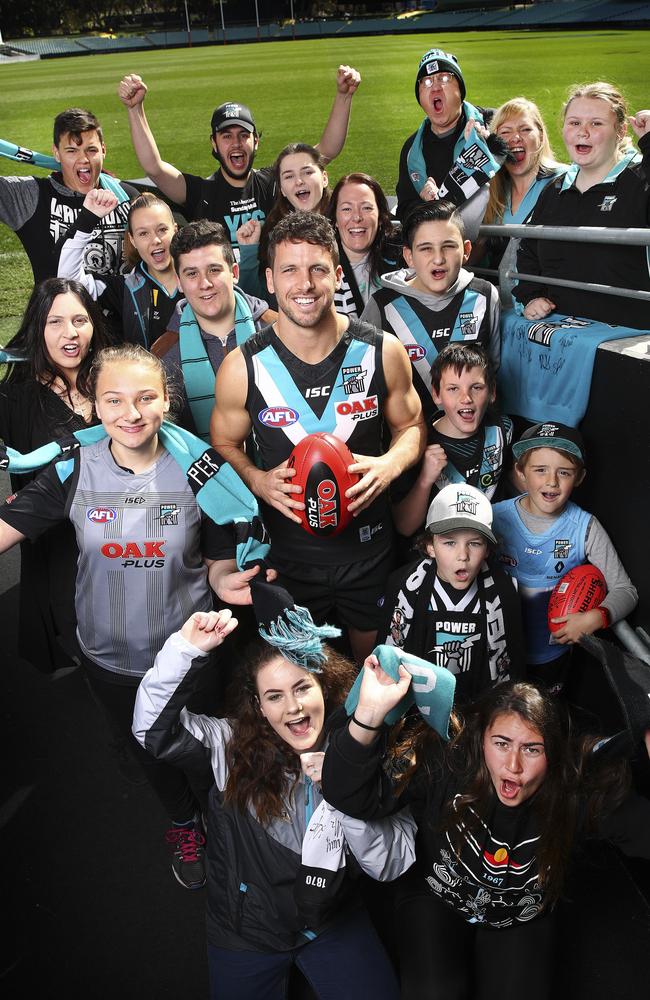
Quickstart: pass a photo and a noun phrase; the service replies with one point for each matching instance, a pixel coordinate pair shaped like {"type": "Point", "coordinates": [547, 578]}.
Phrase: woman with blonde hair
{"type": "Point", "coordinates": [608, 185]}
{"type": "Point", "coordinates": [514, 190]}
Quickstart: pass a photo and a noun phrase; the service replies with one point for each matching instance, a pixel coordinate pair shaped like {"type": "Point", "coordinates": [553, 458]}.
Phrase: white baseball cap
{"type": "Point", "coordinates": [460, 506]}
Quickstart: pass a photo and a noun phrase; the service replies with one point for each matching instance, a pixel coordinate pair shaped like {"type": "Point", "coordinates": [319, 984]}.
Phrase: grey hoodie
{"type": "Point", "coordinates": [398, 281]}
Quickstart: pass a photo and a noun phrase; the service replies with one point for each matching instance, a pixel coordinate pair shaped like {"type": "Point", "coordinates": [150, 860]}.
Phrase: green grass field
{"type": "Point", "coordinates": [289, 85]}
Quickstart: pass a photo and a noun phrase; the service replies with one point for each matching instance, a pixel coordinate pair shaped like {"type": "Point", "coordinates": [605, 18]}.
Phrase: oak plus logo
{"type": "Point", "coordinates": [136, 555]}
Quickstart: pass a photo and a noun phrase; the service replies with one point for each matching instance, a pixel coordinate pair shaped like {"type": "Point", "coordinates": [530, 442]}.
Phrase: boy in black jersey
{"type": "Point", "coordinates": [317, 371]}
{"type": "Point", "coordinates": [43, 210]}
{"type": "Point", "coordinates": [466, 444]}
{"type": "Point", "coordinates": [454, 607]}
{"type": "Point", "coordinates": [433, 300]}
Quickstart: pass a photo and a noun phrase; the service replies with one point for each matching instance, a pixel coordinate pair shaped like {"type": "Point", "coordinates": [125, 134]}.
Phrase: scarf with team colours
{"type": "Point", "coordinates": [474, 163]}
{"type": "Point", "coordinates": [198, 374]}
{"type": "Point", "coordinates": [21, 155]}
{"type": "Point", "coordinates": [431, 691]}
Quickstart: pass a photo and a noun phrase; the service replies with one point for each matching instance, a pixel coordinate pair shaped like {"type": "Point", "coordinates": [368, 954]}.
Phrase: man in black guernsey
{"type": "Point", "coordinates": [236, 192]}
{"type": "Point", "coordinates": [41, 210]}
{"type": "Point", "coordinates": [320, 371]}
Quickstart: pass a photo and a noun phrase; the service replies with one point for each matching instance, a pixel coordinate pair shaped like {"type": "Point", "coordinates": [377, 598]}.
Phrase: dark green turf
{"type": "Point", "coordinates": [289, 85]}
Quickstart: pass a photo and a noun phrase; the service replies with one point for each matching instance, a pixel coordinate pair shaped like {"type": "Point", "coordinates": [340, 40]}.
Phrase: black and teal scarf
{"type": "Point", "coordinates": [474, 163]}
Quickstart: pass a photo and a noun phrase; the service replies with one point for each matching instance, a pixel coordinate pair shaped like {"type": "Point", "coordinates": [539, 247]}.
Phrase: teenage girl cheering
{"type": "Point", "coordinates": [142, 302]}
{"type": "Point", "coordinates": [266, 761]}
{"type": "Point", "coordinates": [498, 810]}
{"type": "Point", "coordinates": [301, 183]}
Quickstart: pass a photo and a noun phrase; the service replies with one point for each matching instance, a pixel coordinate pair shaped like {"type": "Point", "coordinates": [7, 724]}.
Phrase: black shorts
{"type": "Point", "coordinates": [352, 590]}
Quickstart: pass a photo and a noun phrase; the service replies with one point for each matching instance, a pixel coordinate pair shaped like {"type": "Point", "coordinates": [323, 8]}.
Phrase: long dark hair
{"type": "Point", "coordinates": [573, 777]}
{"type": "Point", "coordinates": [30, 338]}
{"type": "Point", "coordinates": [262, 767]}
{"type": "Point", "coordinates": [385, 227]}
{"type": "Point", "coordinates": [282, 206]}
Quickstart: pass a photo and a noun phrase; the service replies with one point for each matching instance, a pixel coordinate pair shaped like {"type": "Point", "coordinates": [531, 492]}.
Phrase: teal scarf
{"type": "Point", "coordinates": [432, 689]}
{"type": "Point", "coordinates": [21, 155]}
{"type": "Point", "coordinates": [198, 374]}
{"type": "Point", "coordinates": [467, 152]}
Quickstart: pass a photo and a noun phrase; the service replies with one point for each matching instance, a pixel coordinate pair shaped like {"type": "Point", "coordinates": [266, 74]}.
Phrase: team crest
{"type": "Point", "coordinates": [453, 653]}
{"type": "Point", "coordinates": [354, 379]}
{"type": "Point", "coordinates": [432, 67]}
{"type": "Point", "coordinates": [607, 203]}
{"type": "Point", "coordinates": [169, 513]}
{"type": "Point", "coordinates": [465, 504]}
{"type": "Point", "coordinates": [468, 325]}
{"type": "Point", "coordinates": [561, 548]}
{"type": "Point", "coordinates": [473, 158]}
{"type": "Point", "coordinates": [415, 176]}
{"type": "Point", "coordinates": [492, 455]}
{"type": "Point", "coordinates": [397, 626]}
{"type": "Point", "coordinates": [542, 333]}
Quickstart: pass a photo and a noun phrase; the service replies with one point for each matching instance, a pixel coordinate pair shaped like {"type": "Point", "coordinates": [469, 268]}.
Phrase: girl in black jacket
{"type": "Point", "coordinates": [497, 812]}
{"type": "Point", "coordinates": [266, 761]}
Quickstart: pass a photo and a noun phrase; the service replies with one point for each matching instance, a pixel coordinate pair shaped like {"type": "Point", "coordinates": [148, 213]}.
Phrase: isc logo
{"type": "Point", "coordinates": [415, 352]}
{"type": "Point", "coordinates": [101, 515]}
{"type": "Point", "coordinates": [278, 416]}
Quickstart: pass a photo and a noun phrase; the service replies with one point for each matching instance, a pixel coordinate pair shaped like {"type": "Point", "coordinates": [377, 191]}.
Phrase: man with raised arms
{"type": "Point", "coordinates": [327, 373]}
{"type": "Point", "coordinates": [236, 192]}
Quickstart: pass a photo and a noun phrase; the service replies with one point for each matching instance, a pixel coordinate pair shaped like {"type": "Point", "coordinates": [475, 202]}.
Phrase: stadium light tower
{"type": "Point", "coordinates": [257, 20]}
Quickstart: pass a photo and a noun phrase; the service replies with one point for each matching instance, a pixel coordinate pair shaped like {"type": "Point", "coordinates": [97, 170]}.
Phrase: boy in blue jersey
{"type": "Point", "coordinates": [434, 300]}
{"type": "Point", "coordinates": [454, 605]}
{"type": "Point", "coordinates": [466, 444]}
{"type": "Point", "coordinates": [543, 534]}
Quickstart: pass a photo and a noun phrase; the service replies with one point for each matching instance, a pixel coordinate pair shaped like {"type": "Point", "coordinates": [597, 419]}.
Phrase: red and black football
{"type": "Point", "coordinates": [579, 590]}
{"type": "Point", "coordinates": [321, 462]}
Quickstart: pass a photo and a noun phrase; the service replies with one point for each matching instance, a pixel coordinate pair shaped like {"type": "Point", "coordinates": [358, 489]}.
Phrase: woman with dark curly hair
{"type": "Point", "coordinates": [45, 396]}
{"type": "Point", "coordinates": [369, 243]}
{"type": "Point", "coordinates": [498, 811]}
{"type": "Point", "coordinates": [266, 761]}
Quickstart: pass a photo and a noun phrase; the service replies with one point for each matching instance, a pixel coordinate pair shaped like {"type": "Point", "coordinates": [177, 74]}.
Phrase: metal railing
{"type": "Point", "coordinates": [508, 275]}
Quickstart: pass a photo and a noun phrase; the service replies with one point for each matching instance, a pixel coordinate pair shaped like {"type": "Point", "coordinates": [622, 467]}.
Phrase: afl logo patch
{"type": "Point", "coordinates": [101, 515]}
{"type": "Point", "coordinates": [415, 352]}
{"type": "Point", "coordinates": [278, 416]}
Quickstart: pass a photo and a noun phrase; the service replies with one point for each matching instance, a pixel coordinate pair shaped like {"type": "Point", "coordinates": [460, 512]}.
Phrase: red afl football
{"type": "Point", "coordinates": [579, 590]}
{"type": "Point", "coordinates": [321, 462]}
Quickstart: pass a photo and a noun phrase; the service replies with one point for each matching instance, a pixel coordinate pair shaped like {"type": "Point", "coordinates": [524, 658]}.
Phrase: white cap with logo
{"type": "Point", "coordinates": [460, 506]}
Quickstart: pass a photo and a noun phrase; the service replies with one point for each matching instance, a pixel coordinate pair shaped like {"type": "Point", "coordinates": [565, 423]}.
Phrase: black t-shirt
{"type": "Point", "coordinates": [215, 199]}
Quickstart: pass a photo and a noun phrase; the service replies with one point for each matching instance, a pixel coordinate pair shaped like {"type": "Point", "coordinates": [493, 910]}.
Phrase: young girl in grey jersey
{"type": "Point", "coordinates": [147, 557]}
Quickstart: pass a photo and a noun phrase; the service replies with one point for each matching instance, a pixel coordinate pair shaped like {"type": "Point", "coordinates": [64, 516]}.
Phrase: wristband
{"type": "Point", "coordinates": [604, 614]}
{"type": "Point", "coordinates": [362, 725]}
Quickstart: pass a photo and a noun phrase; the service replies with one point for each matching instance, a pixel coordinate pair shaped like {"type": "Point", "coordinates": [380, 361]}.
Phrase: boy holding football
{"type": "Point", "coordinates": [433, 300]}
{"type": "Point", "coordinates": [454, 606]}
{"type": "Point", "coordinates": [543, 534]}
{"type": "Point", "coordinates": [467, 444]}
